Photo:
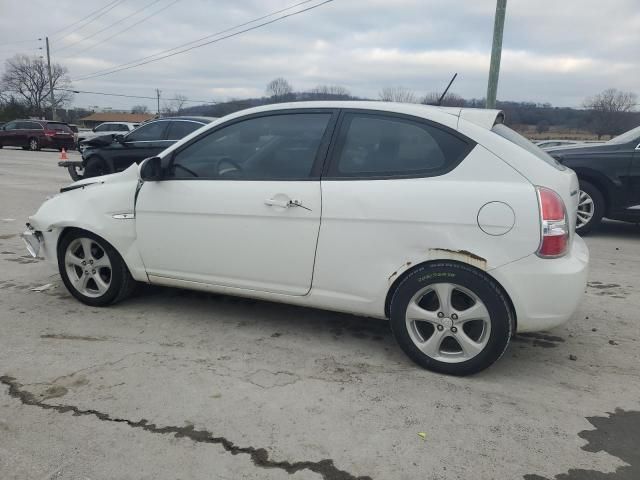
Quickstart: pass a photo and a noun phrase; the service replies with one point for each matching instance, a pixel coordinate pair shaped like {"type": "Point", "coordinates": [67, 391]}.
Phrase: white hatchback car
{"type": "Point", "coordinates": [445, 221]}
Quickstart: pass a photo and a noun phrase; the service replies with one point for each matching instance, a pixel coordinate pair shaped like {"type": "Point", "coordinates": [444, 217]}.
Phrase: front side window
{"type": "Point", "coordinates": [277, 147]}
{"type": "Point", "coordinates": [380, 146]}
{"type": "Point", "coordinates": [149, 132]}
{"type": "Point", "coordinates": [11, 126]}
{"type": "Point", "coordinates": [180, 129]}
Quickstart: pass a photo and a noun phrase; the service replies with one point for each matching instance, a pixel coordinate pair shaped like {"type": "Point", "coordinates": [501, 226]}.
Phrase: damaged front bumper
{"type": "Point", "coordinates": [33, 240]}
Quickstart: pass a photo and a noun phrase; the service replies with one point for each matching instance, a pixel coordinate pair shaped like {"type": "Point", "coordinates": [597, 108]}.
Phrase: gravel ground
{"type": "Point", "coordinates": [179, 385]}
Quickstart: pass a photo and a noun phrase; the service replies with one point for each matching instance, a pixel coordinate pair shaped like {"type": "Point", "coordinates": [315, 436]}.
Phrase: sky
{"type": "Point", "coordinates": [556, 51]}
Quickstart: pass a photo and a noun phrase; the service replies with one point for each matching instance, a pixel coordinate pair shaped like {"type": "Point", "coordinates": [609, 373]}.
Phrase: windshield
{"type": "Point", "coordinates": [515, 137]}
{"type": "Point", "coordinates": [626, 137]}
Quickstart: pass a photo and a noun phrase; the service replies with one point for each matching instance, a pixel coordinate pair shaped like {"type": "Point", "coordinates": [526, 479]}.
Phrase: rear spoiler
{"type": "Point", "coordinates": [482, 117]}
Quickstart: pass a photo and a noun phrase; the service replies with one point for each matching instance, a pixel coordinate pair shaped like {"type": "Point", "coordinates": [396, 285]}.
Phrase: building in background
{"type": "Point", "coordinates": [96, 119]}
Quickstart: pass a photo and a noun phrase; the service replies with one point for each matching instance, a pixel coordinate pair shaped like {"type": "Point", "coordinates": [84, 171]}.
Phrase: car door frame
{"type": "Point", "coordinates": [314, 175]}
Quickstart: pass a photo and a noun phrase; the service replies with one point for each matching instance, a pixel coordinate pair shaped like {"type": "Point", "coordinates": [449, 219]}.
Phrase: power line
{"type": "Point", "coordinates": [205, 37]}
{"type": "Point", "coordinates": [109, 26]}
{"type": "Point", "coordinates": [100, 42]}
{"type": "Point", "coordinates": [128, 96]}
{"type": "Point", "coordinates": [122, 67]}
{"type": "Point", "coordinates": [102, 13]}
{"type": "Point", "coordinates": [83, 18]}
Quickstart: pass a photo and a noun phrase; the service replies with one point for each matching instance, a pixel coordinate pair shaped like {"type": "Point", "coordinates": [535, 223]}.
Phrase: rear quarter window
{"type": "Point", "coordinates": [516, 138]}
{"type": "Point", "coordinates": [382, 146]}
{"type": "Point", "coordinates": [58, 127]}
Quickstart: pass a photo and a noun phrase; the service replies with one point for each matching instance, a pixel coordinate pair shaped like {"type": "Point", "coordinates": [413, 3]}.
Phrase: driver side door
{"type": "Point", "coordinates": [239, 206]}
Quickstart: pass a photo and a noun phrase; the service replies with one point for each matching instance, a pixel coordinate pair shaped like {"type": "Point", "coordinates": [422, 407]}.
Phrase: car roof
{"type": "Point", "coordinates": [449, 116]}
{"type": "Point", "coordinates": [189, 118]}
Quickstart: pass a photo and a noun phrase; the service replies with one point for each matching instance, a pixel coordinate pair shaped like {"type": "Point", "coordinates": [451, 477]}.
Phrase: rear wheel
{"type": "Point", "coordinates": [590, 208]}
{"type": "Point", "coordinates": [92, 270]}
{"type": "Point", "coordinates": [34, 145]}
{"type": "Point", "coordinates": [451, 318]}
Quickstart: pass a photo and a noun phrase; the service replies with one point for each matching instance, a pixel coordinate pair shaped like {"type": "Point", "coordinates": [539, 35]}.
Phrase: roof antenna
{"type": "Point", "coordinates": [446, 89]}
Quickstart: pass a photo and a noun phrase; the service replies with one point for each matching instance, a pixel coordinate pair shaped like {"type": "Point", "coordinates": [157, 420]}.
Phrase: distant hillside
{"type": "Point", "coordinates": [539, 120]}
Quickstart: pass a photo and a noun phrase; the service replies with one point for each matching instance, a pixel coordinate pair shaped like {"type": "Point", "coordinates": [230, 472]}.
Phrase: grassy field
{"type": "Point", "coordinates": [558, 132]}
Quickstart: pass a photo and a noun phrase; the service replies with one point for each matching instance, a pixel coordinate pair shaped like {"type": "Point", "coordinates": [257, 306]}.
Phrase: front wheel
{"type": "Point", "coordinates": [590, 208]}
{"type": "Point", "coordinates": [92, 270]}
{"type": "Point", "coordinates": [95, 167]}
{"type": "Point", "coordinates": [451, 318]}
{"type": "Point", "coordinates": [76, 172]}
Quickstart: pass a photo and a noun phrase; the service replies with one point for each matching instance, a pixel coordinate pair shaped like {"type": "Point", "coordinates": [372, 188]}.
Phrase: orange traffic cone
{"type": "Point", "coordinates": [63, 155]}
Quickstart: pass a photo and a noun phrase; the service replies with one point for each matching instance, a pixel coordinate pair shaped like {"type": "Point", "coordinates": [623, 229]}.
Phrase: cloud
{"type": "Point", "coordinates": [558, 52]}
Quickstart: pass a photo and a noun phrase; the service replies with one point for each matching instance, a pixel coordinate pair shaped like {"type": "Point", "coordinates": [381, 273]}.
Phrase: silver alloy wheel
{"type": "Point", "coordinates": [33, 144]}
{"type": "Point", "coordinates": [448, 322]}
{"type": "Point", "coordinates": [586, 209]}
{"type": "Point", "coordinates": [88, 267]}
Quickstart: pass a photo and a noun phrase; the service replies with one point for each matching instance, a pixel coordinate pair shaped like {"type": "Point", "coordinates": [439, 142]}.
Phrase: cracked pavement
{"type": "Point", "coordinates": [176, 384]}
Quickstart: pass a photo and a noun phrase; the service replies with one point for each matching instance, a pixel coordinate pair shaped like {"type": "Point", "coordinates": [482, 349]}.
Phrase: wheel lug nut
{"type": "Point", "coordinates": [93, 271]}
{"type": "Point", "coordinates": [454, 329]}
{"type": "Point", "coordinates": [440, 328]}
{"type": "Point", "coordinates": [440, 315]}
{"type": "Point", "coordinates": [84, 263]}
{"type": "Point", "coordinates": [454, 316]}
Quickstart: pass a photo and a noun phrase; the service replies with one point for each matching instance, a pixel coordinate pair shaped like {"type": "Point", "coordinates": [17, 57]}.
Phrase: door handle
{"type": "Point", "coordinates": [274, 202]}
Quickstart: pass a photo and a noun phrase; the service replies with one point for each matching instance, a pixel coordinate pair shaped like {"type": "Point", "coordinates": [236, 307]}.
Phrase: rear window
{"type": "Point", "coordinates": [514, 137]}
{"type": "Point", "coordinates": [58, 127]}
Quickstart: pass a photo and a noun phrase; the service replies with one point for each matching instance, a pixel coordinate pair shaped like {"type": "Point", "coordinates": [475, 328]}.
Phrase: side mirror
{"type": "Point", "coordinates": [151, 169]}
{"type": "Point", "coordinates": [119, 138]}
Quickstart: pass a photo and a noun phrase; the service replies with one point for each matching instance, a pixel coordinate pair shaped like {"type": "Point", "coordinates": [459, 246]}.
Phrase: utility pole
{"type": "Point", "coordinates": [496, 53]}
{"type": "Point", "coordinates": [158, 95]}
{"type": "Point", "coordinates": [53, 104]}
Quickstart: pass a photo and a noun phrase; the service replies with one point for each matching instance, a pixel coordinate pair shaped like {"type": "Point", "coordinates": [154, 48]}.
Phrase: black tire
{"type": "Point", "coordinates": [501, 321]}
{"type": "Point", "coordinates": [599, 207]}
{"type": "Point", "coordinates": [95, 167]}
{"type": "Point", "coordinates": [34, 144]}
{"type": "Point", "coordinates": [121, 284]}
{"type": "Point", "coordinates": [73, 172]}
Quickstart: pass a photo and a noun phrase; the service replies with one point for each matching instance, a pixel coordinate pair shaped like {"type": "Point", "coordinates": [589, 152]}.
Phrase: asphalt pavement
{"type": "Point", "coordinates": [173, 384]}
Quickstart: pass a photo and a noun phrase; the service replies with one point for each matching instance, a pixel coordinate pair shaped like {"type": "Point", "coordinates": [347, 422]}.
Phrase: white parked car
{"type": "Point", "coordinates": [445, 221]}
{"type": "Point", "coordinates": [544, 144]}
{"type": "Point", "coordinates": [106, 128]}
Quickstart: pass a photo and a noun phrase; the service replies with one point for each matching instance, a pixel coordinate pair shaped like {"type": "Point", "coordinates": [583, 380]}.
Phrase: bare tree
{"type": "Point", "coordinates": [449, 100]}
{"type": "Point", "coordinates": [28, 78]}
{"type": "Point", "coordinates": [398, 94]}
{"type": "Point", "coordinates": [330, 92]}
{"type": "Point", "coordinates": [139, 109]}
{"type": "Point", "coordinates": [174, 105]}
{"type": "Point", "coordinates": [610, 111]}
{"type": "Point", "coordinates": [279, 89]}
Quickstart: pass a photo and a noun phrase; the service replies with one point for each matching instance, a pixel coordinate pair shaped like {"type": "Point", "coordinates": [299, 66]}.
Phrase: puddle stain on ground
{"type": "Point", "coordinates": [7, 237]}
{"type": "Point", "coordinates": [618, 435]}
{"type": "Point", "coordinates": [612, 290]}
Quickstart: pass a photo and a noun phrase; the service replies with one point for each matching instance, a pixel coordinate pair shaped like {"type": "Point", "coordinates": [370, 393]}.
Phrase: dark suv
{"type": "Point", "coordinates": [36, 134]}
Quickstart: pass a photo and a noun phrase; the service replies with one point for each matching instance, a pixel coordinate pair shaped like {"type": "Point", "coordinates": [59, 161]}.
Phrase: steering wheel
{"type": "Point", "coordinates": [226, 165]}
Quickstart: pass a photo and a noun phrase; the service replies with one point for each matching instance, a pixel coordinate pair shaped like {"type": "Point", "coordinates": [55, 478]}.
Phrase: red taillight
{"type": "Point", "coordinates": [49, 133]}
{"type": "Point", "coordinates": [555, 228]}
